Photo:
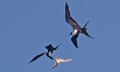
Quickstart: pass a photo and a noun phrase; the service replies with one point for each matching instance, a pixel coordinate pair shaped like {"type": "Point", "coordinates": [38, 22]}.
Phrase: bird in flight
{"type": "Point", "coordinates": [59, 60]}
{"type": "Point", "coordinates": [49, 53]}
{"type": "Point", "coordinates": [76, 27]}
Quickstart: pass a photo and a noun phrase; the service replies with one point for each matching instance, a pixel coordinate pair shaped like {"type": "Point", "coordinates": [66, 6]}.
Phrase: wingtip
{"type": "Point", "coordinates": [70, 59]}
{"type": "Point", "coordinates": [74, 43]}
{"type": "Point", "coordinates": [30, 62]}
{"type": "Point", "coordinates": [77, 47]}
{"type": "Point", "coordinates": [66, 4]}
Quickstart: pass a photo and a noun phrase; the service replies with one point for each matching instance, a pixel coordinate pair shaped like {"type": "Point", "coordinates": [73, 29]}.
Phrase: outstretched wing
{"type": "Point", "coordinates": [74, 40]}
{"type": "Point", "coordinates": [36, 57]}
{"type": "Point", "coordinates": [68, 18]}
{"type": "Point", "coordinates": [66, 60]}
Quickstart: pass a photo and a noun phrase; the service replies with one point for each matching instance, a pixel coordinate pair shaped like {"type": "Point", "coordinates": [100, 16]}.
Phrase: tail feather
{"type": "Point", "coordinates": [84, 30]}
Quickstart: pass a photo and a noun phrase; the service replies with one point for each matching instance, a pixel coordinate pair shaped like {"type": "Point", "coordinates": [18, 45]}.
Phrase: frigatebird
{"type": "Point", "coordinates": [59, 60]}
{"type": "Point", "coordinates": [49, 53]}
{"type": "Point", "coordinates": [76, 27]}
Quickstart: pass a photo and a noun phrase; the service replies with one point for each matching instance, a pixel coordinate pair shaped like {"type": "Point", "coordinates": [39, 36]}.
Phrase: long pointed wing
{"type": "Point", "coordinates": [74, 40]}
{"type": "Point", "coordinates": [36, 57]}
{"type": "Point", "coordinates": [69, 19]}
{"type": "Point", "coordinates": [66, 60]}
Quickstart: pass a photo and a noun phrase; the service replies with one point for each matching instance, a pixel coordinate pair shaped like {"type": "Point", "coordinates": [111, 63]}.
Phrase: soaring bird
{"type": "Point", "coordinates": [49, 53]}
{"type": "Point", "coordinates": [59, 60]}
{"type": "Point", "coordinates": [76, 27]}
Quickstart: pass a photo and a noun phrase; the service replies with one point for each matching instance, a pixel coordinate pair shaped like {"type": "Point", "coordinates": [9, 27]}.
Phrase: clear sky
{"type": "Point", "coordinates": [27, 26]}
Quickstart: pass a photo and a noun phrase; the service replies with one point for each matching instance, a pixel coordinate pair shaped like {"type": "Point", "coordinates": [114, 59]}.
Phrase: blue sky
{"type": "Point", "coordinates": [27, 26]}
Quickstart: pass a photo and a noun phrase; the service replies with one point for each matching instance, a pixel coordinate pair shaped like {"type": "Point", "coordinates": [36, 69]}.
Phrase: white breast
{"type": "Point", "coordinates": [75, 32]}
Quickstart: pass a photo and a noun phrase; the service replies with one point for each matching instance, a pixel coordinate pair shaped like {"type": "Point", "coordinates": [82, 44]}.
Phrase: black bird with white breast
{"type": "Point", "coordinates": [76, 27]}
{"type": "Point", "coordinates": [49, 53]}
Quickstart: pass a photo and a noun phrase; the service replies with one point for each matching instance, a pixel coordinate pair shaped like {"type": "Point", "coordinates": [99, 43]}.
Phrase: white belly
{"type": "Point", "coordinates": [75, 32]}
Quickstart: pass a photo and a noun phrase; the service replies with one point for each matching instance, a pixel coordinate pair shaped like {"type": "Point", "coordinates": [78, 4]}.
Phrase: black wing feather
{"type": "Point", "coordinates": [74, 40]}
{"type": "Point", "coordinates": [69, 19]}
{"type": "Point", "coordinates": [36, 57]}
